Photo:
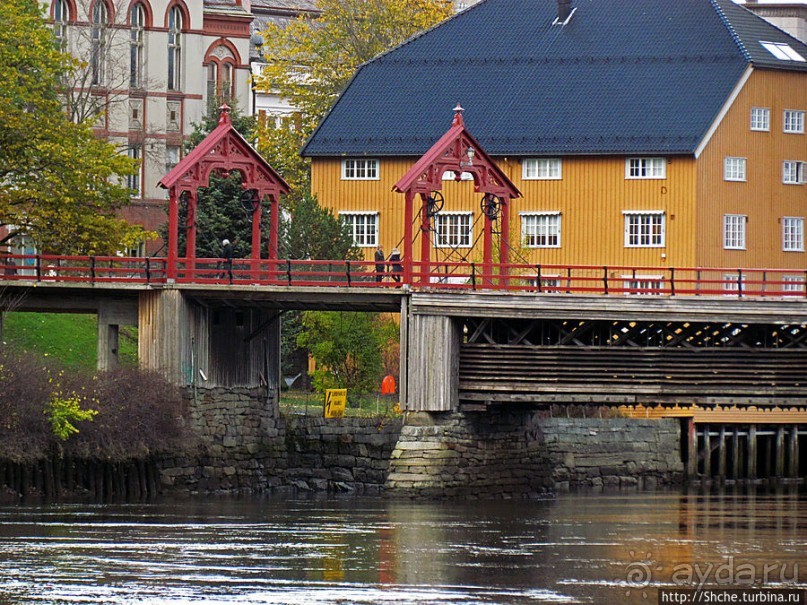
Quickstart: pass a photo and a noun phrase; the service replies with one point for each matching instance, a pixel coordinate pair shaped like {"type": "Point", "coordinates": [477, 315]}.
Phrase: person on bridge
{"type": "Point", "coordinates": [380, 264]}
{"type": "Point", "coordinates": [395, 261]}
{"type": "Point", "coordinates": [227, 253]}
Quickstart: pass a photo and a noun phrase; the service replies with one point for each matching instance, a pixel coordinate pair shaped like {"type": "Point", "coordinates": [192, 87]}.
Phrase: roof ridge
{"type": "Point", "coordinates": [734, 35]}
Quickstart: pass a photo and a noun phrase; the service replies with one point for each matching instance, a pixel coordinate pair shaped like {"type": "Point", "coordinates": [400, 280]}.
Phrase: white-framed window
{"type": "Point", "coordinates": [175, 49]}
{"type": "Point", "coordinates": [133, 181]}
{"type": "Point", "coordinates": [450, 175]}
{"type": "Point", "coordinates": [453, 229]}
{"type": "Point", "coordinates": [760, 118]}
{"type": "Point", "coordinates": [137, 24]}
{"type": "Point", "coordinates": [360, 169]}
{"type": "Point", "coordinates": [793, 234]}
{"type": "Point", "coordinates": [541, 169]}
{"type": "Point", "coordinates": [734, 231]}
{"type": "Point", "coordinates": [645, 168]}
{"type": "Point", "coordinates": [363, 227]}
{"type": "Point", "coordinates": [644, 229]}
{"type": "Point", "coordinates": [540, 229]}
{"type": "Point", "coordinates": [782, 51]}
{"type": "Point", "coordinates": [647, 285]}
{"type": "Point", "coordinates": [98, 33]}
{"type": "Point", "coordinates": [794, 172]}
{"type": "Point", "coordinates": [548, 283]}
{"type": "Point", "coordinates": [793, 283]}
{"type": "Point", "coordinates": [734, 169]}
{"type": "Point", "coordinates": [732, 282]}
{"type": "Point", "coordinates": [60, 19]}
{"type": "Point", "coordinates": [172, 156]}
{"type": "Point", "coordinates": [794, 121]}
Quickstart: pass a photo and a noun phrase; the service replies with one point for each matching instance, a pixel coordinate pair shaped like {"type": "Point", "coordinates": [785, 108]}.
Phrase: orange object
{"type": "Point", "coordinates": [388, 385]}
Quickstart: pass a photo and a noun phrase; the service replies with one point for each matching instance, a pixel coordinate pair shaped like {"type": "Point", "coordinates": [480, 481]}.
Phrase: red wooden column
{"type": "Point", "coordinates": [504, 243]}
{"type": "Point", "coordinates": [190, 235]}
{"type": "Point", "coordinates": [409, 217]}
{"type": "Point", "coordinates": [173, 226]}
{"type": "Point", "coordinates": [487, 251]}
{"type": "Point", "coordinates": [425, 240]}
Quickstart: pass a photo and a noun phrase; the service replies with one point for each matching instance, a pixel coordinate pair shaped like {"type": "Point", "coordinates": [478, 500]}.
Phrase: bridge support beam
{"type": "Point", "coordinates": [111, 315]}
{"type": "Point", "coordinates": [432, 363]}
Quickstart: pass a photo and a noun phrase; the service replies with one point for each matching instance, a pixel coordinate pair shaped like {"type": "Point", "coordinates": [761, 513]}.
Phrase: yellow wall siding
{"type": "Point", "coordinates": [591, 197]}
{"type": "Point", "coordinates": [763, 197]}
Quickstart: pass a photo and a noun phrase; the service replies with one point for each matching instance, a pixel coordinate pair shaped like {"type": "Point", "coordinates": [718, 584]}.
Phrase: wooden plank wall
{"type": "Point", "coordinates": [433, 363]}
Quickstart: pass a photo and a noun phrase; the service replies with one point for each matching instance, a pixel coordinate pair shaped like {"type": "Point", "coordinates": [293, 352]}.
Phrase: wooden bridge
{"type": "Point", "coordinates": [724, 349]}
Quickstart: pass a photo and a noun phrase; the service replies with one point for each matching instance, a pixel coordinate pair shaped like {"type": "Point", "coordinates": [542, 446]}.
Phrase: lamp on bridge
{"type": "Point", "coordinates": [469, 153]}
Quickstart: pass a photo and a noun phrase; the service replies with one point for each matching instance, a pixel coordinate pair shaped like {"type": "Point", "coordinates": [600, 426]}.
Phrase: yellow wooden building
{"type": "Point", "coordinates": [650, 133]}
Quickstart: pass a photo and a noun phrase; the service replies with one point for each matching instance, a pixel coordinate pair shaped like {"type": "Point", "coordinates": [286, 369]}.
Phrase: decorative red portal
{"type": "Point", "coordinates": [223, 150]}
{"type": "Point", "coordinates": [457, 151]}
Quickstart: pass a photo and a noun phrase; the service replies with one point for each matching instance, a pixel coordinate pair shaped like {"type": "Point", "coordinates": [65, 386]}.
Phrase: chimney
{"type": "Point", "coordinates": [564, 10]}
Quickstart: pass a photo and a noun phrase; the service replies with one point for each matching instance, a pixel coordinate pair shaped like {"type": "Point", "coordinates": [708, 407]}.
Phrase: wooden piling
{"type": "Point", "coordinates": [752, 451]}
{"type": "Point", "coordinates": [692, 449]}
{"type": "Point", "coordinates": [735, 453]}
{"type": "Point", "coordinates": [793, 452]}
{"type": "Point", "coordinates": [707, 452]}
{"type": "Point", "coordinates": [780, 451]}
{"type": "Point", "coordinates": [721, 452]}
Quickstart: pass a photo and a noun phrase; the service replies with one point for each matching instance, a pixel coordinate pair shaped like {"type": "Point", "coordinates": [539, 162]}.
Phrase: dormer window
{"type": "Point", "coordinates": [782, 51]}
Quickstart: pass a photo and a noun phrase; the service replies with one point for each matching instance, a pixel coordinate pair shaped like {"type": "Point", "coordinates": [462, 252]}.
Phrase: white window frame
{"type": "Point", "coordinates": [98, 43]}
{"type": "Point", "coordinates": [643, 282]}
{"type": "Point", "coordinates": [648, 168]}
{"type": "Point", "coordinates": [794, 172]}
{"type": "Point", "coordinates": [450, 175]}
{"type": "Point", "coordinates": [761, 119]}
{"type": "Point", "coordinates": [547, 226]}
{"type": "Point", "coordinates": [61, 17]}
{"type": "Point", "coordinates": [732, 282]}
{"type": "Point", "coordinates": [453, 229]}
{"type": "Point", "coordinates": [365, 235]}
{"type": "Point", "coordinates": [793, 121]}
{"type": "Point", "coordinates": [782, 51]}
{"type": "Point", "coordinates": [642, 236]}
{"type": "Point", "coordinates": [542, 169]}
{"type": "Point", "coordinates": [361, 169]}
{"type": "Point", "coordinates": [734, 169]}
{"type": "Point", "coordinates": [174, 66]}
{"type": "Point", "coordinates": [792, 234]}
{"type": "Point", "coordinates": [734, 231]}
{"type": "Point", "coordinates": [135, 181]}
{"type": "Point", "coordinates": [793, 283]}
{"type": "Point", "coordinates": [137, 24]}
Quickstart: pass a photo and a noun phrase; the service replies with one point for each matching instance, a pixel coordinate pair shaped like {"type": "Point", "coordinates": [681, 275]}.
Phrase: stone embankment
{"type": "Point", "coordinates": [246, 446]}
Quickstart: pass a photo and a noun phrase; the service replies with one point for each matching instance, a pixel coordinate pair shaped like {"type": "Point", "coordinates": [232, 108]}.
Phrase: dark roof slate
{"type": "Point", "coordinates": [645, 76]}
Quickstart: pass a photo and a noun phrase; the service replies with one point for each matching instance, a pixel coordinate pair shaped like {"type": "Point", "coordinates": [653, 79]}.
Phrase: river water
{"type": "Point", "coordinates": [573, 548]}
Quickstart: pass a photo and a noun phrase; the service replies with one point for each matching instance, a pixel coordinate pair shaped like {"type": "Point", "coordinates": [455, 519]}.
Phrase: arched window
{"type": "Point", "coordinates": [137, 23]}
{"type": "Point", "coordinates": [100, 16]}
{"type": "Point", "coordinates": [219, 82]}
{"type": "Point", "coordinates": [175, 49]}
{"type": "Point", "coordinates": [61, 15]}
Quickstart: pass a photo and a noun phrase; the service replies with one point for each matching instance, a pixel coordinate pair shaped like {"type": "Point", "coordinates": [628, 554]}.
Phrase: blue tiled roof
{"type": "Point", "coordinates": [622, 77]}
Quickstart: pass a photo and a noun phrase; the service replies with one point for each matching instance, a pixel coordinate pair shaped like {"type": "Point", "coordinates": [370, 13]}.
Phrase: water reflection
{"type": "Point", "coordinates": [576, 548]}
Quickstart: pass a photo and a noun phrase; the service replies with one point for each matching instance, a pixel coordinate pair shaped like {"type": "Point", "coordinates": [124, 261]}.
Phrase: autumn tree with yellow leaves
{"type": "Point", "coordinates": [59, 184]}
{"type": "Point", "coordinates": [310, 61]}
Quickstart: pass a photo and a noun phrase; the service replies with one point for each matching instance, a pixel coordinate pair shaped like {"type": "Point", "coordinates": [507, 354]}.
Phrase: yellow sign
{"type": "Point", "coordinates": [335, 402]}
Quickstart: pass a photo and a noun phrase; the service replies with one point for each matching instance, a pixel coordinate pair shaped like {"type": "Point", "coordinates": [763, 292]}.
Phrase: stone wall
{"type": "Point", "coordinates": [345, 454]}
{"type": "Point", "coordinates": [518, 454]}
{"type": "Point", "coordinates": [612, 451]}
{"type": "Point", "coordinates": [245, 446]}
{"type": "Point", "coordinates": [239, 447]}
{"type": "Point", "coordinates": [496, 454]}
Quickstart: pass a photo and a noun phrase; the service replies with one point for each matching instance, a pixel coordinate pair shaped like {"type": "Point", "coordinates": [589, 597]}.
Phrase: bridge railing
{"type": "Point", "coordinates": [442, 275]}
{"type": "Point", "coordinates": [82, 269]}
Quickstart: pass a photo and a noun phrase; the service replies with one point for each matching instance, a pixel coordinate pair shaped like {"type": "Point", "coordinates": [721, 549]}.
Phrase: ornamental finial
{"type": "Point", "coordinates": [458, 121]}
{"type": "Point", "coordinates": [224, 114]}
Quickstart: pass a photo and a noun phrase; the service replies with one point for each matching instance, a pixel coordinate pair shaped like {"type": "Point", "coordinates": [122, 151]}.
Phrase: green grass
{"type": "Point", "coordinates": [68, 338]}
{"type": "Point", "coordinates": [311, 404]}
